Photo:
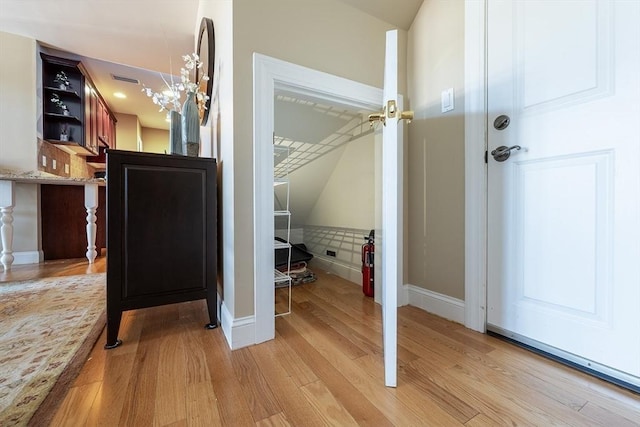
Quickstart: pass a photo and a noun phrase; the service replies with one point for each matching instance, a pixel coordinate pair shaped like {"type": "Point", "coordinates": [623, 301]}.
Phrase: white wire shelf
{"type": "Point", "coordinates": [281, 245]}
{"type": "Point", "coordinates": [280, 277]}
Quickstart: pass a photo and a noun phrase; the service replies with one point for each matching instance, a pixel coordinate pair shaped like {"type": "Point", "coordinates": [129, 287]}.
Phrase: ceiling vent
{"type": "Point", "coordinates": [125, 79]}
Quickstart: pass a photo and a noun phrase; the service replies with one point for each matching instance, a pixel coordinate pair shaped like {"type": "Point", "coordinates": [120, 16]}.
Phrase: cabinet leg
{"type": "Point", "coordinates": [212, 308]}
{"type": "Point", "coordinates": [113, 326]}
{"type": "Point", "coordinates": [110, 346]}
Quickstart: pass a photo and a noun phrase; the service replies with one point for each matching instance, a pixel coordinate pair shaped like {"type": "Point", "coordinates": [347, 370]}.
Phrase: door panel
{"type": "Point", "coordinates": [391, 235]}
{"type": "Point", "coordinates": [564, 209]}
{"type": "Point", "coordinates": [556, 70]}
{"type": "Point", "coordinates": [568, 225]}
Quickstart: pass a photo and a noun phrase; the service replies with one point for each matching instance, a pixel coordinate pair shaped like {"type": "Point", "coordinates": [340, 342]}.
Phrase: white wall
{"type": "Point", "coordinates": [18, 136]}
{"type": "Point", "coordinates": [435, 153]}
{"type": "Point", "coordinates": [348, 197]}
{"type": "Point", "coordinates": [306, 185]}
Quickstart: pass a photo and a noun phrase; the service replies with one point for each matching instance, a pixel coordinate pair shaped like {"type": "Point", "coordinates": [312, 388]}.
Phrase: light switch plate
{"type": "Point", "coordinates": [447, 100]}
{"type": "Point", "coordinates": [66, 168]}
{"type": "Point", "coordinates": [53, 163]}
{"type": "Point", "coordinates": [44, 161]}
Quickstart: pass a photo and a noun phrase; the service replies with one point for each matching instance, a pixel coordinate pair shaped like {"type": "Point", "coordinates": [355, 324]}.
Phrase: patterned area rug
{"type": "Point", "coordinates": [47, 329]}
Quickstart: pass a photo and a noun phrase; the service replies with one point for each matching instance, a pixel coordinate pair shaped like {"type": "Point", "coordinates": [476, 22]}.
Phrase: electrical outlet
{"type": "Point", "coordinates": [331, 253]}
{"type": "Point", "coordinates": [44, 161]}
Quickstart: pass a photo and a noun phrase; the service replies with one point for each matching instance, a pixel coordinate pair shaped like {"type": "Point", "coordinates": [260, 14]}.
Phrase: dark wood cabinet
{"type": "Point", "coordinates": [64, 223]}
{"type": "Point", "coordinates": [74, 114]}
{"type": "Point", "coordinates": [161, 233]}
{"type": "Point", "coordinates": [63, 99]}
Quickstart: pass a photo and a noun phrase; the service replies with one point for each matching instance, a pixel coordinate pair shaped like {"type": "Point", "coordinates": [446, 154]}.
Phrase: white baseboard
{"type": "Point", "coordinates": [441, 305]}
{"type": "Point", "coordinates": [28, 257]}
{"type": "Point", "coordinates": [331, 265]}
{"type": "Point", "coordinates": [239, 332]}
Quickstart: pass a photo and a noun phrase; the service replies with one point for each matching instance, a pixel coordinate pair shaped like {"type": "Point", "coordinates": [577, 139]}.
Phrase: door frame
{"type": "Point", "coordinates": [269, 75]}
{"type": "Point", "coordinates": [475, 149]}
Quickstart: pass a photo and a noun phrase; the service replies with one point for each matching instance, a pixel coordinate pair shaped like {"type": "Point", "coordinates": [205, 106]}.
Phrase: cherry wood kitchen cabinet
{"type": "Point", "coordinates": [64, 225]}
{"type": "Point", "coordinates": [161, 237]}
{"type": "Point", "coordinates": [101, 130]}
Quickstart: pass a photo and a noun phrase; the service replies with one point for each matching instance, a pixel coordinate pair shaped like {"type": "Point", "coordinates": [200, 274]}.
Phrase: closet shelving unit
{"type": "Point", "coordinates": [282, 214]}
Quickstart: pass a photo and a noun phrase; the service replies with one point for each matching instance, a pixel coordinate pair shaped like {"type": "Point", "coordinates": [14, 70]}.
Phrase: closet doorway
{"type": "Point", "coordinates": [271, 76]}
{"type": "Point", "coordinates": [326, 161]}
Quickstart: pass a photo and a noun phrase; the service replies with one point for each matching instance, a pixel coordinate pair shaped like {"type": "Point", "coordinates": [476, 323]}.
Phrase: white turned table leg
{"type": "Point", "coordinates": [7, 202]}
{"type": "Point", "coordinates": [91, 203]}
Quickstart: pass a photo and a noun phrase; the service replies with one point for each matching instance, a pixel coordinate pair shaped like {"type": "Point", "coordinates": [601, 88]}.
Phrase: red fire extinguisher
{"type": "Point", "coordinates": [367, 264]}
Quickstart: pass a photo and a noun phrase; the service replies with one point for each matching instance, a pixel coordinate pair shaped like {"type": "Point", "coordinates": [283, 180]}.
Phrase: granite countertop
{"type": "Point", "coordinates": [38, 177]}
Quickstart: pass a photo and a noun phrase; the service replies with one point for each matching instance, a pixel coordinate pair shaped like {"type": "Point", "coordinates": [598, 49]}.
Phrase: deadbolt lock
{"type": "Point", "coordinates": [501, 122]}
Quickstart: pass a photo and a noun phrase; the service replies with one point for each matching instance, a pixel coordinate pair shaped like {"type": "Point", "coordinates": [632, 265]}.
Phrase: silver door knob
{"type": "Point", "coordinates": [502, 153]}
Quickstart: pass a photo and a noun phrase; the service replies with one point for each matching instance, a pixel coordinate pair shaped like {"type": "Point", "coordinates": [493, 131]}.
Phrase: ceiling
{"type": "Point", "coordinates": [139, 39]}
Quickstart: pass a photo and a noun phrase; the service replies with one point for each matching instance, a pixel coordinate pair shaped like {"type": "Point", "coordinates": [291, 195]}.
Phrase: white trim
{"type": "Point", "coordinates": [238, 332]}
{"type": "Point", "coordinates": [270, 73]}
{"type": "Point", "coordinates": [475, 112]}
{"type": "Point", "coordinates": [28, 257]}
{"type": "Point", "coordinates": [439, 304]}
{"type": "Point", "coordinates": [264, 77]}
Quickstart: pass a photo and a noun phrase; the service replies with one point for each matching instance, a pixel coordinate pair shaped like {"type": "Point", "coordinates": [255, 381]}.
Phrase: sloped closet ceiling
{"type": "Point", "coordinates": [302, 120]}
{"type": "Point", "coordinates": [309, 128]}
{"type": "Point", "coordinates": [310, 136]}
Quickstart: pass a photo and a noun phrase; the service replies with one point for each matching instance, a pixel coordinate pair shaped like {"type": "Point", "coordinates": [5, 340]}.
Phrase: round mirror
{"type": "Point", "coordinates": [206, 52]}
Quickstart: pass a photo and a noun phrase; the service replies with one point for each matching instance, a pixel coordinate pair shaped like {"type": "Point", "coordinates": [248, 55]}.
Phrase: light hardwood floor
{"type": "Point", "coordinates": [324, 368]}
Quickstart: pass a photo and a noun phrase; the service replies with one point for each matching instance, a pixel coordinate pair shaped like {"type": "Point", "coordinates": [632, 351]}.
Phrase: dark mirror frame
{"type": "Point", "coordinates": [206, 41]}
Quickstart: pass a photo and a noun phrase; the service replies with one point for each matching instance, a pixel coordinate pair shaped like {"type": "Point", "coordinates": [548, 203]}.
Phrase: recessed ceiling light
{"type": "Point", "coordinates": [120, 95]}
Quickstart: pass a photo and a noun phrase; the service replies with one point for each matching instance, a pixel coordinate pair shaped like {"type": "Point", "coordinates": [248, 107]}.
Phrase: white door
{"type": "Point", "coordinates": [391, 236]}
{"type": "Point", "coordinates": [564, 209]}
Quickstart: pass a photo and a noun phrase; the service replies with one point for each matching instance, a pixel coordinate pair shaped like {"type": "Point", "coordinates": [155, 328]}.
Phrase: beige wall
{"type": "Point", "coordinates": [218, 135]}
{"type": "Point", "coordinates": [18, 132]}
{"type": "Point", "coordinates": [18, 103]}
{"type": "Point", "coordinates": [155, 140]}
{"type": "Point", "coordinates": [435, 157]}
{"type": "Point", "coordinates": [127, 132]}
{"type": "Point", "coordinates": [324, 35]}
